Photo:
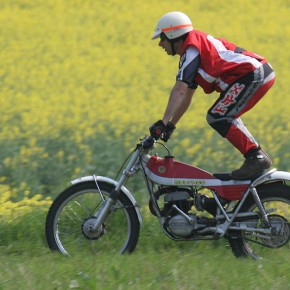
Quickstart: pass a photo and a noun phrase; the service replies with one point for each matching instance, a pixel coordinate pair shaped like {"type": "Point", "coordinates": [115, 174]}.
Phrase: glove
{"type": "Point", "coordinates": [159, 130]}
{"type": "Point", "coordinates": [167, 132]}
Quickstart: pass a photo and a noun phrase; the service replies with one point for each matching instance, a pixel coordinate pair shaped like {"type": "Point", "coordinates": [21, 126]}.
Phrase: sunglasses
{"type": "Point", "coordinates": [163, 36]}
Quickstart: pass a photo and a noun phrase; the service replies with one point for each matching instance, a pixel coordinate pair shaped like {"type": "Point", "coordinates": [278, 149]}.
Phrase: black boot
{"type": "Point", "coordinates": [256, 162]}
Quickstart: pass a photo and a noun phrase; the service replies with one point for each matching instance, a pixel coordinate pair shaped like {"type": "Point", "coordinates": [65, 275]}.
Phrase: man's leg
{"type": "Point", "coordinates": [224, 115]}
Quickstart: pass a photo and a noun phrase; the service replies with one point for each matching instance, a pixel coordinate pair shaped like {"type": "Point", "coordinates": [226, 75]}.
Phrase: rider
{"type": "Point", "coordinates": [241, 78]}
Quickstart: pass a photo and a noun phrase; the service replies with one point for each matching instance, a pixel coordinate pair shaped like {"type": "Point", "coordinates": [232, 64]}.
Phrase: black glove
{"type": "Point", "coordinates": [168, 131]}
{"type": "Point", "coordinates": [159, 130]}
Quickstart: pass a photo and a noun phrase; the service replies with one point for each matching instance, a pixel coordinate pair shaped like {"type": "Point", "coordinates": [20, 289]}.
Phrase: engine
{"type": "Point", "coordinates": [180, 226]}
{"type": "Point", "coordinates": [177, 204]}
{"type": "Point", "coordinates": [177, 223]}
{"type": "Point", "coordinates": [181, 199]}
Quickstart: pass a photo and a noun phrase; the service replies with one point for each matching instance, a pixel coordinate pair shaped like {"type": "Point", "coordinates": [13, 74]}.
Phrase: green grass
{"type": "Point", "coordinates": [157, 263]}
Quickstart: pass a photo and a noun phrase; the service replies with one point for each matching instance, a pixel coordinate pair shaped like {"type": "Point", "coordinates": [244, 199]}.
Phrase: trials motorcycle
{"type": "Point", "coordinates": [98, 213]}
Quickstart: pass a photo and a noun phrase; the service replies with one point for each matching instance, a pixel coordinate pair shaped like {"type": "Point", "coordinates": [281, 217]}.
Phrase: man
{"type": "Point", "coordinates": [241, 78]}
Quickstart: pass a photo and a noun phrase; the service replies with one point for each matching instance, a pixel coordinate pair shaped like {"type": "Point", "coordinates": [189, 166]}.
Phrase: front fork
{"type": "Point", "coordinates": [129, 171]}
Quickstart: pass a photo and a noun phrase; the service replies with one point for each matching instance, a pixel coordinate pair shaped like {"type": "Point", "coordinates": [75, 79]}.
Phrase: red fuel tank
{"type": "Point", "coordinates": [170, 168]}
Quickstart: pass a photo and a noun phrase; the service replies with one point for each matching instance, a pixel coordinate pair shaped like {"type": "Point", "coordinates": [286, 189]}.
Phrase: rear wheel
{"type": "Point", "coordinates": [276, 200]}
{"type": "Point", "coordinates": [72, 214]}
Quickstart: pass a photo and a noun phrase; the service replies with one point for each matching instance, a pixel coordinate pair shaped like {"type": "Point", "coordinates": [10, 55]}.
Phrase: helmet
{"type": "Point", "coordinates": [173, 25]}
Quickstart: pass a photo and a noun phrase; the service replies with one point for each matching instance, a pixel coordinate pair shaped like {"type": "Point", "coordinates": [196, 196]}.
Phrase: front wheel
{"type": "Point", "coordinates": [275, 198]}
{"type": "Point", "coordinates": [72, 214]}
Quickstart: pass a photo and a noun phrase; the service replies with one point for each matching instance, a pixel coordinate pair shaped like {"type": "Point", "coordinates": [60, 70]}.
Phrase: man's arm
{"type": "Point", "coordinates": [179, 101]}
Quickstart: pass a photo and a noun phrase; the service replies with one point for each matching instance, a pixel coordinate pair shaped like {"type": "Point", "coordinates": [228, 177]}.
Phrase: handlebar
{"type": "Point", "coordinates": [148, 142]}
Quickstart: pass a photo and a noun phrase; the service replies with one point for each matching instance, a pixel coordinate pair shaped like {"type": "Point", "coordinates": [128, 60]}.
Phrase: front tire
{"type": "Point", "coordinates": [73, 212]}
{"type": "Point", "coordinates": [273, 196]}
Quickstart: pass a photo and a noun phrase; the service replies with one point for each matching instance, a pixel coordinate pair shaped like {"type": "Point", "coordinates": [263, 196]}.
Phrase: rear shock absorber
{"type": "Point", "coordinates": [260, 206]}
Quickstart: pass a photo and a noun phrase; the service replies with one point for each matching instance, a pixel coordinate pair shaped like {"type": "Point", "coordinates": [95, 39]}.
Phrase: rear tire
{"type": "Point", "coordinates": [275, 195]}
{"type": "Point", "coordinates": [69, 220]}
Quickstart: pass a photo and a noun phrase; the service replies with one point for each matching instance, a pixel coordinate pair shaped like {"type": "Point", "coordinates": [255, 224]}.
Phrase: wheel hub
{"type": "Point", "coordinates": [89, 232]}
{"type": "Point", "coordinates": [280, 232]}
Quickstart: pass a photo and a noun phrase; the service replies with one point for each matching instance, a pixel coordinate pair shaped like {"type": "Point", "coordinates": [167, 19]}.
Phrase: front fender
{"type": "Point", "coordinates": [113, 182]}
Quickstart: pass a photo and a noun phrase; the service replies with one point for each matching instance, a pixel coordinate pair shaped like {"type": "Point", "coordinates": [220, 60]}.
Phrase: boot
{"type": "Point", "coordinates": [256, 162]}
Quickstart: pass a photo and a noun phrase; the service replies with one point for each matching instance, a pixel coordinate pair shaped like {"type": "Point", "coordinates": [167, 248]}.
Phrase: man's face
{"type": "Point", "coordinates": [165, 44]}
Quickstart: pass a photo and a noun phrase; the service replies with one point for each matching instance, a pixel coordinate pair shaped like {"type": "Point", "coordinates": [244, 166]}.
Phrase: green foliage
{"type": "Point", "coordinates": [81, 80]}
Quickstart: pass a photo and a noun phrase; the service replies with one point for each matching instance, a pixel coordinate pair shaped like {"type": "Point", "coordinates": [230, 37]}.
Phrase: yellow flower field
{"type": "Point", "coordinates": [81, 81]}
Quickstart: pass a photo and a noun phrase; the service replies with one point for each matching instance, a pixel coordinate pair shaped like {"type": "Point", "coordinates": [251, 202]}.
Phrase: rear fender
{"type": "Point", "coordinates": [113, 182]}
{"type": "Point", "coordinates": [280, 175]}
{"type": "Point", "coordinates": [272, 176]}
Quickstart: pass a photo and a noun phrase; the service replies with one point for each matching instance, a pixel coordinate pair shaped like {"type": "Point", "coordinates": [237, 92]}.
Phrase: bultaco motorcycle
{"type": "Point", "coordinates": [98, 213]}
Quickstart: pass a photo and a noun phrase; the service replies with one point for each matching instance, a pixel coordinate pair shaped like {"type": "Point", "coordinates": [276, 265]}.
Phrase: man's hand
{"type": "Point", "coordinates": [168, 131]}
{"type": "Point", "coordinates": [159, 130]}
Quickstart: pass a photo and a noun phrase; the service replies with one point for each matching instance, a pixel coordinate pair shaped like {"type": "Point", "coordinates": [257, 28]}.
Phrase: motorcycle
{"type": "Point", "coordinates": [98, 213]}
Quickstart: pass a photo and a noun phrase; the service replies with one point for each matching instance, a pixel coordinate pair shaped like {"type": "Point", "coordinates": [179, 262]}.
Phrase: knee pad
{"type": "Point", "coordinates": [221, 126]}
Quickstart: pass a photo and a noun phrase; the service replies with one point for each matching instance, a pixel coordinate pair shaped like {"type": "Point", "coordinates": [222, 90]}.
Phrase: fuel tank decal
{"type": "Point", "coordinates": [161, 169]}
{"type": "Point", "coordinates": [189, 182]}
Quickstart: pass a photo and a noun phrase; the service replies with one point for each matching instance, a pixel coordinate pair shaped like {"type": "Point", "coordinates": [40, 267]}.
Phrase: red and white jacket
{"type": "Point", "coordinates": [221, 62]}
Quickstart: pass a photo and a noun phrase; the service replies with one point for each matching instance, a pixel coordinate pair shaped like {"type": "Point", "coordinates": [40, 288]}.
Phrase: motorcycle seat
{"type": "Point", "coordinates": [226, 176]}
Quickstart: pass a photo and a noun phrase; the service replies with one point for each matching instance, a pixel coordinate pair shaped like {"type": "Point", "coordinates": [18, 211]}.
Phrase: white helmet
{"type": "Point", "coordinates": [173, 25]}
